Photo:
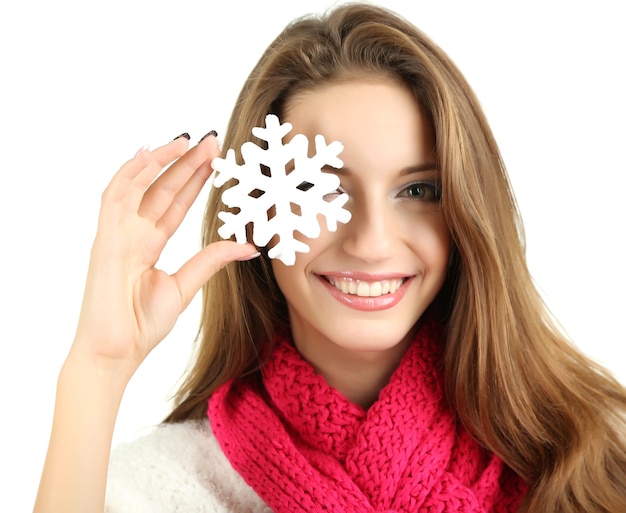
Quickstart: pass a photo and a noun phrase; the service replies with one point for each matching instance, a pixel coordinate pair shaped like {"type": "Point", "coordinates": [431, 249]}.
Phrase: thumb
{"type": "Point", "coordinates": [208, 261]}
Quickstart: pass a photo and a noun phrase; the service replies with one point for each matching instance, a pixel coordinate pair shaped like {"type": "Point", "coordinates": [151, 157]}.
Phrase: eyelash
{"type": "Point", "coordinates": [337, 192]}
{"type": "Point", "coordinates": [432, 188]}
{"type": "Point", "coordinates": [427, 187]}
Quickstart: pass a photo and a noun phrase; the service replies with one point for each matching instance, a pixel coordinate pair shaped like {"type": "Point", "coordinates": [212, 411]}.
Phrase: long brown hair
{"type": "Point", "coordinates": [518, 386]}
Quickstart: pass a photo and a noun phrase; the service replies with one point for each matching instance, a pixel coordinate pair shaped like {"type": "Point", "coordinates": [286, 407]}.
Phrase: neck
{"type": "Point", "coordinates": [358, 375]}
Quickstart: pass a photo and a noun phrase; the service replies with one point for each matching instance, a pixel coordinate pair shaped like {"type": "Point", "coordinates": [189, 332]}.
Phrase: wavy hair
{"type": "Point", "coordinates": [516, 383]}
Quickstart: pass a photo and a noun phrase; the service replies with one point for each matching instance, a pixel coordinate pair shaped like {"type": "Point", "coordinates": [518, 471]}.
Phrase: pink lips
{"type": "Point", "coordinates": [369, 304]}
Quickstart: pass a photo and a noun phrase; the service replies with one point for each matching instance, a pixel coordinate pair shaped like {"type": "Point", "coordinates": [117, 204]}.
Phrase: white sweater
{"type": "Point", "coordinates": [177, 468]}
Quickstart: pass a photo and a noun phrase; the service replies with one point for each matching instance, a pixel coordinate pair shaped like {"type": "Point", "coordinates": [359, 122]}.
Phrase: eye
{"type": "Point", "coordinates": [422, 191]}
{"type": "Point", "coordinates": [332, 195]}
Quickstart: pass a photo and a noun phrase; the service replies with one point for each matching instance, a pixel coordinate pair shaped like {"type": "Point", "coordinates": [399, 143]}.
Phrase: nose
{"type": "Point", "coordinates": [370, 235]}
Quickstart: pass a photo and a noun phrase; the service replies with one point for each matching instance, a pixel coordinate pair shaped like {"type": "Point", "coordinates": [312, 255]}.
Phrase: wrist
{"type": "Point", "coordinates": [95, 375]}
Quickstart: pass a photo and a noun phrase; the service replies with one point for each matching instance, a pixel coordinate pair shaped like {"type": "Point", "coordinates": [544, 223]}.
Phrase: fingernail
{"type": "Point", "coordinates": [184, 134]}
{"type": "Point", "coordinates": [249, 257]}
{"type": "Point", "coordinates": [142, 149]}
{"type": "Point", "coordinates": [212, 132]}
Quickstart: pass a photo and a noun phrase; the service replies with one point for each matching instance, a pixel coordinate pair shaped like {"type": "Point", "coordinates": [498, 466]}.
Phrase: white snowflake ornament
{"type": "Point", "coordinates": [269, 201]}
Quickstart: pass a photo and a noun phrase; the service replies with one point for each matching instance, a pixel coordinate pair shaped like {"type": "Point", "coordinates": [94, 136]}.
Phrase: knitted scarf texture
{"type": "Point", "coordinates": [303, 447]}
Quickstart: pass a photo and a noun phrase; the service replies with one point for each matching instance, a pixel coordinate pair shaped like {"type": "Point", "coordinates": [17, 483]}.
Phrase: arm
{"type": "Point", "coordinates": [129, 306]}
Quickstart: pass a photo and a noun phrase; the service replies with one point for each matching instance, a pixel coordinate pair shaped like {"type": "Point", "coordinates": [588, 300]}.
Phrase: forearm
{"type": "Point", "coordinates": [87, 401]}
{"type": "Point", "coordinates": [129, 306]}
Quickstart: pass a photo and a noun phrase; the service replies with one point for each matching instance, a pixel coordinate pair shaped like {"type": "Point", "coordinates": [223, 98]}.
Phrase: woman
{"type": "Point", "coordinates": [441, 384]}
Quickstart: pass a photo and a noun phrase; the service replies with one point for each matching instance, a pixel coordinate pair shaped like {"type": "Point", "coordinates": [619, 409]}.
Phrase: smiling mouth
{"type": "Point", "coordinates": [366, 288]}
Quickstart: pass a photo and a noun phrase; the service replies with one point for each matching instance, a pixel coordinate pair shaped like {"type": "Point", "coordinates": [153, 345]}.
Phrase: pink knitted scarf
{"type": "Point", "coordinates": [303, 447]}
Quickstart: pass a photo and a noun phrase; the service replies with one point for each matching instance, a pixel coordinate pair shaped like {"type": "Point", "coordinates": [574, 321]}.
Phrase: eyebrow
{"type": "Point", "coordinates": [421, 168]}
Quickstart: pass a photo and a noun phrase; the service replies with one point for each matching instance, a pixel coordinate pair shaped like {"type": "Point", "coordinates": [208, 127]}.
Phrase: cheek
{"type": "Point", "coordinates": [317, 244]}
{"type": "Point", "coordinates": [290, 278]}
{"type": "Point", "coordinates": [431, 241]}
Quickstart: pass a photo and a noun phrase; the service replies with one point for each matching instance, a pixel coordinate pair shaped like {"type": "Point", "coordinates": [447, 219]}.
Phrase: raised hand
{"type": "Point", "coordinates": [129, 305]}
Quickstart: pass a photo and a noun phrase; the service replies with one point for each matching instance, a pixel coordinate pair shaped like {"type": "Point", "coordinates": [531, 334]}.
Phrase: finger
{"type": "Point", "coordinates": [174, 215]}
{"type": "Point", "coordinates": [159, 159]}
{"type": "Point", "coordinates": [208, 261]}
{"type": "Point", "coordinates": [160, 196]}
{"type": "Point", "coordinates": [176, 212]}
{"type": "Point", "coordinates": [136, 174]}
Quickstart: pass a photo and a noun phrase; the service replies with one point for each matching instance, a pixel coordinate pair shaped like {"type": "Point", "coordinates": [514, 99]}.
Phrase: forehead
{"type": "Point", "coordinates": [349, 99]}
{"type": "Point", "coordinates": [375, 119]}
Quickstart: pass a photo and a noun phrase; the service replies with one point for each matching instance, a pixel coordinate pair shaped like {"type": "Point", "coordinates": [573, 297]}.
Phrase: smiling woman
{"type": "Point", "coordinates": [405, 363]}
{"type": "Point", "coordinates": [394, 241]}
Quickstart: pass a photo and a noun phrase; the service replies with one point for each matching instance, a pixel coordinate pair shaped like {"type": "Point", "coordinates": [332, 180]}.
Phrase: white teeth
{"type": "Point", "coordinates": [376, 289]}
{"type": "Point", "coordinates": [365, 288]}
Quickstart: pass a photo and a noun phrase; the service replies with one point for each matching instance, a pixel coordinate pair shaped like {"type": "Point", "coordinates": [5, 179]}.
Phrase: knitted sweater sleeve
{"type": "Point", "coordinates": [174, 469]}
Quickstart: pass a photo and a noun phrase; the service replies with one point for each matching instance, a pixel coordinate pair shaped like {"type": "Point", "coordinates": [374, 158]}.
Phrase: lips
{"type": "Point", "coordinates": [366, 292]}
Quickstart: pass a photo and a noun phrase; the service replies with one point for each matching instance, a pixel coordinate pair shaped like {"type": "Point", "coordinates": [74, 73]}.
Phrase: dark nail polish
{"type": "Point", "coordinates": [212, 132]}
{"type": "Point", "coordinates": [185, 135]}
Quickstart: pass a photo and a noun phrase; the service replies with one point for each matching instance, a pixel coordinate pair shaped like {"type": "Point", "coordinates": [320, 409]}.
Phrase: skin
{"type": "Point", "coordinates": [397, 231]}
{"type": "Point", "coordinates": [129, 306]}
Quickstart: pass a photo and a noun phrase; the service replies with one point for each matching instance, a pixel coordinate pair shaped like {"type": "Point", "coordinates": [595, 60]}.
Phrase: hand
{"type": "Point", "coordinates": [129, 306]}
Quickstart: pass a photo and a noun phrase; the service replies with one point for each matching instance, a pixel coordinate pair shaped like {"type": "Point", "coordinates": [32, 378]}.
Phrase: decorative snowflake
{"type": "Point", "coordinates": [287, 200]}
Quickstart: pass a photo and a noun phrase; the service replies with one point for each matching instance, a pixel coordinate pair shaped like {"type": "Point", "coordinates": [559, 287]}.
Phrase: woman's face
{"type": "Point", "coordinates": [363, 287]}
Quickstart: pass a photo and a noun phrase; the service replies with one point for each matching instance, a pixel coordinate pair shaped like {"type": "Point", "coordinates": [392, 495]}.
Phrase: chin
{"type": "Point", "coordinates": [368, 339]}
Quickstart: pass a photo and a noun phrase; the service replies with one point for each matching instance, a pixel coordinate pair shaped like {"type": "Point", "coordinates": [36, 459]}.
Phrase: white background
{"type": "Point", "coordinates": [83, 85]}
